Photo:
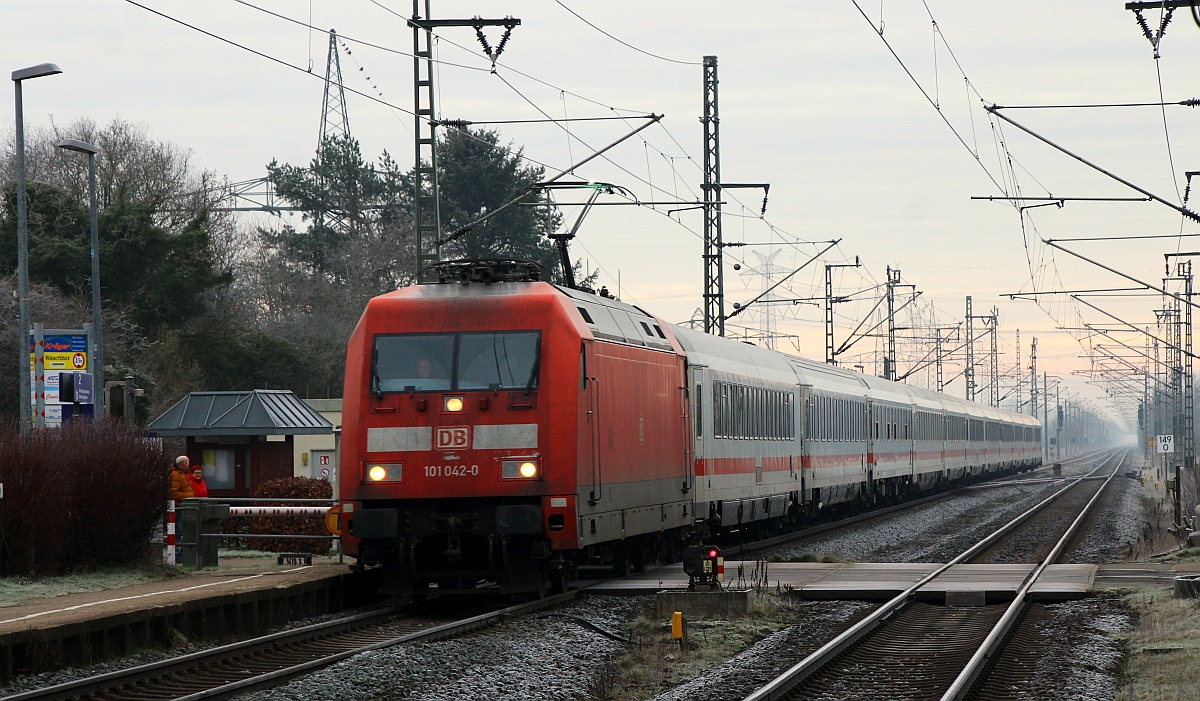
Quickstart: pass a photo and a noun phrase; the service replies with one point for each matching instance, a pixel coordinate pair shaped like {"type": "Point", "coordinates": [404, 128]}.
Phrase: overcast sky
{"type": "Point", "coordinates": [811, 101]}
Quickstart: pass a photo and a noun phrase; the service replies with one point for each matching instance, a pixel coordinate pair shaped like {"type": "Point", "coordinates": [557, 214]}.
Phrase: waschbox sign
{"type": "Point", "coordinates": [62, 352]}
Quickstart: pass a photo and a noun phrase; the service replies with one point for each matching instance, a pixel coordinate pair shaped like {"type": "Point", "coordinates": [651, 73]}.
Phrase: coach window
{"type": "Point", "coordinates": [699, 413]}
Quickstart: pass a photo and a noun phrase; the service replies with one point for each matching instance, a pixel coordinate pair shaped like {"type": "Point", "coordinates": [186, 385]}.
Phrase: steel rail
{"type": "Point", "coordinates": [145, 675]}
{"type": "Point", "coordinates": [994, 642]}
{"type": "Point", "coordinates": [123, 676]}
{"type": "Point", "coordinates": [784, 683]}
{"type": "Point", "coordinates": [838, 524]}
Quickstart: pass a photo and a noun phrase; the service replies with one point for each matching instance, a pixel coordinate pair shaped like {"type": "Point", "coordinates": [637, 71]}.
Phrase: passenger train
{"type": "Point", "coordinates": [501, 429]}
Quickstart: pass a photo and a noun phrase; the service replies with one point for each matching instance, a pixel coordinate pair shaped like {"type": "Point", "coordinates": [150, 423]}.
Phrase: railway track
{"type": "Point", "coordinates": [274, 659]}
{"type": "Point", "coordinates": [922, 651]}
{"type": "Point", "coordinates": [1040, 474]}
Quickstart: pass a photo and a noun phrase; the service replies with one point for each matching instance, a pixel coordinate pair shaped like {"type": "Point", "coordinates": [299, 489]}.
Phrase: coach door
{"type": "Point", "coordinates": [694, 423]}
{"type": "Point", "coordinates": [910, 434]}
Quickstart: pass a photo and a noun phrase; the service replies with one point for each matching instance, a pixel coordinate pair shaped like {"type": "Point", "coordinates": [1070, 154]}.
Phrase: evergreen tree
{"type": "Point", "coordinates": [477, 174]}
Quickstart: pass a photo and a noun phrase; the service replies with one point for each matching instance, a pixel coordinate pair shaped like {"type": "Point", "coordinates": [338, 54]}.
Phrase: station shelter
{"type": "Point", "coordinates": [242, 439]}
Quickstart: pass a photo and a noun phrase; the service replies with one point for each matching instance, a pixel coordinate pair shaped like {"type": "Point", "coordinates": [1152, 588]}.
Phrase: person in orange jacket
{"type": "Point", "coordinates": [181, 486]}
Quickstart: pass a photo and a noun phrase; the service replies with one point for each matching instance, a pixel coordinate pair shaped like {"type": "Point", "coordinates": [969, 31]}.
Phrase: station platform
{"type": "Point", "coordinates": [876, 581]}
{"type": "Point", "coordinates": [245, 596]}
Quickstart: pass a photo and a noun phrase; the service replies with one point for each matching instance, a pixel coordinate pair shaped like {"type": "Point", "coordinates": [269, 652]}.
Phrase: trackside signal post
{"type": "Point", "coordinates": [703, 564]}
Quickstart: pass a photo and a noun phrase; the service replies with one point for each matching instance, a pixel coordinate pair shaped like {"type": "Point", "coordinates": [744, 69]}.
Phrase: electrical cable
{"type": "Point", "coordinates": [1190, 102]}
{"type": "Point", "coordinates": [624, 43]}
{"type": "Point", "coordinates": [473, 52]}
{"type": "Point", "coordinates": [362, 70]}
{"type": "Point", "coordinates": [260, 54]}
{"type": "Point", "coordinates": [773, 228]}
{"type": "Point", "coordinates": [350, 39]}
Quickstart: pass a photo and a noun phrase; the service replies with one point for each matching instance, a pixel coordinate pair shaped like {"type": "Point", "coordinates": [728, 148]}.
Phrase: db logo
{"type": "Point", "coordinates": [77, 360]}
{"type": "Point", "coordinates": [453, 438]}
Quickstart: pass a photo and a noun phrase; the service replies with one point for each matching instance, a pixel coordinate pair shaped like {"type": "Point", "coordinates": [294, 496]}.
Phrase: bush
{"type": "Point", "coordinates": [291, 488]}
{"type": "Point", "coordinates": [78, 497]}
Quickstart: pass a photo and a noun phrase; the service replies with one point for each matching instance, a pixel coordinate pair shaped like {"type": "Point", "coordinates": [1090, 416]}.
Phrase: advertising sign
{"type": "Point", "coordinates": [67, 352]}
{"type": "Point", "coordinates": [61, 350]}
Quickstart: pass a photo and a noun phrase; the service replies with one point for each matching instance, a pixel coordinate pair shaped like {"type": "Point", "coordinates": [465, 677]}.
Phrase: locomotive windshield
{"type": "Point", "coordinates": [438, 362]}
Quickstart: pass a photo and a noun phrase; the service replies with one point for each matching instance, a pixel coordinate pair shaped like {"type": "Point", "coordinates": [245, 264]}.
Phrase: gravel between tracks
{"type": "Point", "coordinates": [935, 532]}
{"type": "Point", "coordinates": [768, 658]}
{"type": "Point", "coordinates": [940, 531]}
{"type": "Point", "coordinates": [1116, 525]}
{"type": "Point", "coordinates": [1068, 652]}
{"type": "Point", "coordinates": [530, 657]}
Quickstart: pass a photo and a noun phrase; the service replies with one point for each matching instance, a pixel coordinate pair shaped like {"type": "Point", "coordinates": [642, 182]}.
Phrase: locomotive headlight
{"type": "Point", "coordinates": [519, 469]}
{"type": "Point", "coordinates": [385, 471]}
{"type": "Point", "coordinates": [452, 405]}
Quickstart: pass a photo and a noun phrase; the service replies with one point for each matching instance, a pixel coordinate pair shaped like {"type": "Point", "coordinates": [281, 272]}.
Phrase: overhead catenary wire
{"type": "Point", "coordinates": [622, 42]}
{"type": "Point", "coordinates": [775, 229]}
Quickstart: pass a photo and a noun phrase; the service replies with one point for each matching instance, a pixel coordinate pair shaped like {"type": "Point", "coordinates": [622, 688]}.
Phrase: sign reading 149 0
{"type": "Point", "coordinates": [1165, 443]}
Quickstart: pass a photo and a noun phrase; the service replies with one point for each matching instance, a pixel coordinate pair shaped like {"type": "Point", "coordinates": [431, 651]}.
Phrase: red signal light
{"type": "Point", "coordinates": [712, 553]}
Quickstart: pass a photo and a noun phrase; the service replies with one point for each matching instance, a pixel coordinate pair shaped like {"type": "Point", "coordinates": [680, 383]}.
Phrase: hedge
{"type": "Point", "coordinates": [82, 496]}
{"type": "Point", "coordinates": [291, 488]}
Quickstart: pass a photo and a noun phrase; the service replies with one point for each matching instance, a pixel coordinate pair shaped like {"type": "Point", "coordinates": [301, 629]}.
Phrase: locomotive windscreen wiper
{"type": "Point", "coordinates": [375, 384]}
{"type": "Point", "coordinates": [533, 372]}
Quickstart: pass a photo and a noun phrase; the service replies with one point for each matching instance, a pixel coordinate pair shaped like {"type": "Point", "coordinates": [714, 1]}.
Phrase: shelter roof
{"type": "Point", "coordinates": [259, 412]}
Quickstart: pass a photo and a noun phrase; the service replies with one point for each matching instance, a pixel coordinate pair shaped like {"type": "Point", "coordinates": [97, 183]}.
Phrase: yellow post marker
{"type": "Point", "coordinates": [679, 630]}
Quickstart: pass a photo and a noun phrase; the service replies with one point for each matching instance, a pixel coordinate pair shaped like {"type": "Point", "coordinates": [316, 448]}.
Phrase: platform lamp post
{"type": "Point", "coordinates": [23, 74]}
{"type": "Point", "coordinates": [97, 339]}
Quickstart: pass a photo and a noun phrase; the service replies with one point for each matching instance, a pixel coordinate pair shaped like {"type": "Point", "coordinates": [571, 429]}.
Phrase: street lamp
{"type": "Point", "coordinates": [97, 337]}
{"type": "Point", "coordinates": [42, 69]}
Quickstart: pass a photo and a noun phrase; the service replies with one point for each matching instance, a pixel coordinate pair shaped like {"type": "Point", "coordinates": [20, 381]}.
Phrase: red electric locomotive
{"type": "Point", "coordinates": [476, 432]}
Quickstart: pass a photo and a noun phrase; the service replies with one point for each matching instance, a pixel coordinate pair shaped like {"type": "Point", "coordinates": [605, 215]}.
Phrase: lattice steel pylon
{"type": "Point", "coordinates": [335, 123]}
{"type": "Point", "coordinates": [335, 120]}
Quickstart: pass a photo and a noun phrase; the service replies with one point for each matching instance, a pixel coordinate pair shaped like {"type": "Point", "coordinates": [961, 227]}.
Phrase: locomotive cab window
{"type": "Point", "coordinates": [455, 362]}
{"type": "Point", "coordinates": [412, 362]}
{"type": "Point", "coordinates": [499, 360]}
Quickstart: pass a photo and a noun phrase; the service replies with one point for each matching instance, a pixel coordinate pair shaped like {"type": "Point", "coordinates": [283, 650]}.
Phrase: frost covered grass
{"type": "Point", "coordinates": [14, 590]}
{"type": "Point", "coordinates": [725, 659]}
{"type": "Point", "coordinates": [1164, 648]}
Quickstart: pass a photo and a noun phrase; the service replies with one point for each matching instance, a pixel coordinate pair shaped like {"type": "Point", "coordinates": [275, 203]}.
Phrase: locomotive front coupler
{"type": "Point", "coordinates": [453, 552]}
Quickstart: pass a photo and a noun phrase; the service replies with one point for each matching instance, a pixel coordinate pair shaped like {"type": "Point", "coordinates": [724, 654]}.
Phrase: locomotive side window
{"type": "Point", "coordinates": [498, 360]}
{"type": "Point", "coordinates": [416, 362]}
